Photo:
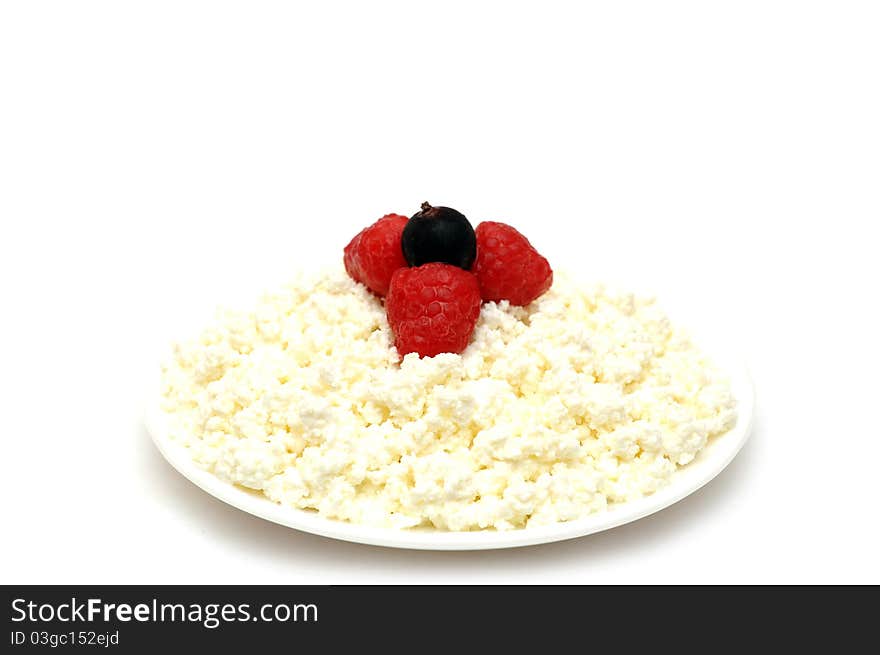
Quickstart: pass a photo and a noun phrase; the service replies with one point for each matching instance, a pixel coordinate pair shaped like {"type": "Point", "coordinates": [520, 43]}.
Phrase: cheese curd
{"type": "Point", "coordinates": [555, 410]}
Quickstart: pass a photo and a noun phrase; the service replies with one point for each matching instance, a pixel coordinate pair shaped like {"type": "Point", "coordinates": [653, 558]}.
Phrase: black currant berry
{"type": "Point", "coordinates": [439, 234]}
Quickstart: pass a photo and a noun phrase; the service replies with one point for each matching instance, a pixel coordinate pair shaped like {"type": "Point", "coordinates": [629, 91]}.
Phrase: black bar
{"type": "Point", "coordinates": [385, 618]}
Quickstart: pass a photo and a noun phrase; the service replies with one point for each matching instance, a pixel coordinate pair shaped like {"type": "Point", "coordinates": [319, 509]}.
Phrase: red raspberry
{"type": "Point", "coordinates": [508, 267]}
{"type": "Point", "coordinates": [432, 309]}
{"type": "Point", "coordinates": [375, 253]}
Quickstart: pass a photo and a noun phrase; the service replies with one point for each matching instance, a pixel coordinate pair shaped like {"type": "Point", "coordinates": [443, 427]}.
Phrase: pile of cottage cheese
{"type": "Point", "coordinates": [580, 399]}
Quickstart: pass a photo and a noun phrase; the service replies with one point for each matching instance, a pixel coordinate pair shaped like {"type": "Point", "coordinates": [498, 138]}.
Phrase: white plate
{"type": "Point", "coordinates": [709, 463]}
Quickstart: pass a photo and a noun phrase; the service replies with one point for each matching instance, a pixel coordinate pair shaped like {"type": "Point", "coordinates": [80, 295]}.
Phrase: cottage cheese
{"type": "Point", "coordinates": [555, 410]}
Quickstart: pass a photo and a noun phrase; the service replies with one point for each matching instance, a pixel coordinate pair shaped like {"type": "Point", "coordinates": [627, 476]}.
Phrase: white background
{"type": "Point", "coordinates": [159, 158]}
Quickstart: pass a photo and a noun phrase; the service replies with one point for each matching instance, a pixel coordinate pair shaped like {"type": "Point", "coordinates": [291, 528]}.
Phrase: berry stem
{"type": "Point", "coordinates": [426, 206]}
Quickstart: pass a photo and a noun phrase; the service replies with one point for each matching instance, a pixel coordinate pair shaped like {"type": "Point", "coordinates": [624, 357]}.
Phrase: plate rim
{"type": "Point", "coordinates": [708, 464]}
